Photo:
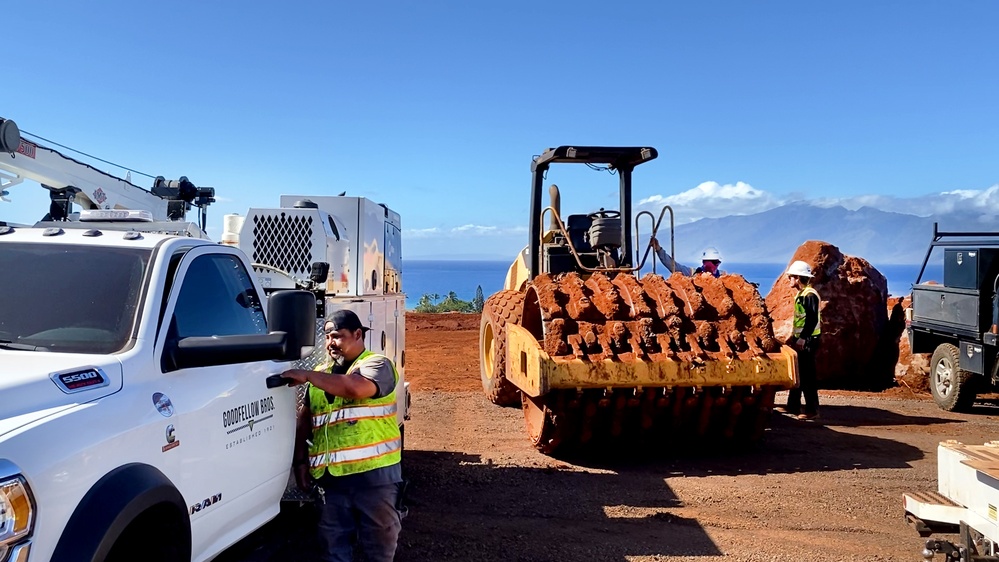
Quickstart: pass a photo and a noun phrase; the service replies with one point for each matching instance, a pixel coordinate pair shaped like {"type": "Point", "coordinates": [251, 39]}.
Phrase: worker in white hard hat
{"type": "Point", "coordinates": [805, 339]}
{"type": "Point", "coordinates": [710, 261]}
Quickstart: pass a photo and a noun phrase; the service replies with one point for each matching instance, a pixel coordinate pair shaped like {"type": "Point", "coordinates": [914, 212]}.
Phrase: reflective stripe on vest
{"type": "Point", "coordinates": [355, 413]}
{"type": "Point", "coordinates": [799, 313]}
{"type": "Point", "coordinates": [354, 436]}
{"type": "Point", "coordinates": [355, 454]}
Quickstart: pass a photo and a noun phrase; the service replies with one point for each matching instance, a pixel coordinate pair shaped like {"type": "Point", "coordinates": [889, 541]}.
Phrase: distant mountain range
{"type": "Point", "coordinates": [772, 236]}
{"type": "Point", "coordinates": [880, 237]}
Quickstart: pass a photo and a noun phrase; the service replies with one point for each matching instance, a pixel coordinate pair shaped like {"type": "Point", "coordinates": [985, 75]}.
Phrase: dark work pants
{"type": "Point", "coordinates": [809, 385]}
{"type": "Point", "coordinates": [367, 514]}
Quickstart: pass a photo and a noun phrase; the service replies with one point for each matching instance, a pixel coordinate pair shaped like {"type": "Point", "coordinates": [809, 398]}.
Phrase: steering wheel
{"type": "Point", "coordinates": [602, 214]}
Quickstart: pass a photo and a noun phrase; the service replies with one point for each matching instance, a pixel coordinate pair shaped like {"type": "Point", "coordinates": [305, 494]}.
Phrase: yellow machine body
{"type": "Point", "coordinates": [536, 373]}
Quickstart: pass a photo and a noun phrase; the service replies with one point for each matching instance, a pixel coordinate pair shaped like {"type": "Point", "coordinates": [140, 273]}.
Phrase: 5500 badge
{"type": "Point", "coordinates": [80, 379]}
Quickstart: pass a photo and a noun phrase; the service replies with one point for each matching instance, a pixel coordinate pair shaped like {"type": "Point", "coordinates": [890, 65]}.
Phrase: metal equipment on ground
{"type": "Point", "coordinates": [963, 505]}
{"type": "Point", "coordinates": [594, 352]}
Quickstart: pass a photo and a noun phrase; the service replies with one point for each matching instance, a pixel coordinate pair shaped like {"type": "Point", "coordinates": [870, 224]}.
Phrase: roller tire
{"type": "Point", "coordinates": [504, 307]}
{"type": "Point", "coordinates": [952, 387]}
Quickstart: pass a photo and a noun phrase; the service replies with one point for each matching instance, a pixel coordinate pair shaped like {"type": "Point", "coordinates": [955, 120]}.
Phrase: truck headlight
{"type": "Point", "coordinates": [17, 514]}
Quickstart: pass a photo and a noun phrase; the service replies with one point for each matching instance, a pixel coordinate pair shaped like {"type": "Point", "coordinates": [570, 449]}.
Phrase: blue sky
{"type": "Point", "coordinates": [436, 108]}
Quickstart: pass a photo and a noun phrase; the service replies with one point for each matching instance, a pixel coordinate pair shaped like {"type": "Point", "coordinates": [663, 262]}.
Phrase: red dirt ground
{"type": "Point", "coordinates": [448, 344]}
{"type": "Point", "coordinates": [822, 491]}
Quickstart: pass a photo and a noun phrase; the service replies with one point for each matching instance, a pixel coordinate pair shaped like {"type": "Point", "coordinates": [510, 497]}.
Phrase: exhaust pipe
{"type": "Point", "coordinates": [556, 203]}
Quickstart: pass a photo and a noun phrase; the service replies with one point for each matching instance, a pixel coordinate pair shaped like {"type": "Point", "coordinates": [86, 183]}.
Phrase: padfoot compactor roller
{"type": "Point", "coordinates": [595, 353]}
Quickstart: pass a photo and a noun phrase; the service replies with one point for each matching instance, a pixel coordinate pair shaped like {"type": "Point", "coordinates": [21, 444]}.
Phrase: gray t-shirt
{"type": "Point", "coordinates": [379, 371]}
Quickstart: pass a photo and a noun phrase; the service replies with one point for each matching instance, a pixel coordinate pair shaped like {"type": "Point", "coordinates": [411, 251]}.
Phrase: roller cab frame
{"type": "Point", "coordinates": [621, 160]}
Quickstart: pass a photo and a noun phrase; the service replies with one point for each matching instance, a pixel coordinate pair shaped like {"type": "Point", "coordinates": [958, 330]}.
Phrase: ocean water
{"type": "Point", "coordinates": [420, 277]}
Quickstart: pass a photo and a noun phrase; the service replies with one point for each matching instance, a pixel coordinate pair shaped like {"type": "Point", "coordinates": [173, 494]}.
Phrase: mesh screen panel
{"type": "Point", "coordinates": [283, 241]}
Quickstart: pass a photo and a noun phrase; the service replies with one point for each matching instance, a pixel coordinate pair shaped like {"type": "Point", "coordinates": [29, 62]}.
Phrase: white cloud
{"type": "Point", "coordinates": [984, 201]}
{"type": "Point", "coordinates": [853, 203]}
{"type": "Point", "coordinates": [711, 199]}
{"type": "Point", "coordinates": [465, 231]}
{"type": "Point", "coordinates": [474, 229]}
{"type": "Point", "coordinates": [466, 241]}
{"type": "Point", "coordinates": [421, 232]}
{"type": "Point", "coordinates": [963, 193]}
{"type": "Point", "coordinates": [707, 200]}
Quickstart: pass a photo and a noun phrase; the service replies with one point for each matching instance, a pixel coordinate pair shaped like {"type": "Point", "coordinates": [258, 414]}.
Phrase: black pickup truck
{"type": "Point", "coordinates": [956, 321]}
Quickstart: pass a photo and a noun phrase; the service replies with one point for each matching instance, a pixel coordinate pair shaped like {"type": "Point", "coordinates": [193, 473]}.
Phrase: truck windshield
{"type": "Point", "coordinates": [67, 298]}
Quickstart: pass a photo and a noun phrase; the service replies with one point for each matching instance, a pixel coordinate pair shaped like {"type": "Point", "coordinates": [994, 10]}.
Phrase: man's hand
{"type": "Point", "coordinates": [655, 243]}
{"type": "Point", "coordinates": [303, 478]}
{"type": "Point", "coordinates": [799, 344]}
{"type": "Point", "coordinates": [297, 376]}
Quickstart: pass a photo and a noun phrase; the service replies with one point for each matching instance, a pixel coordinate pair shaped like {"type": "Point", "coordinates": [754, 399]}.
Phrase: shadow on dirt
{"type": "Point", "coordinates": [289, 536]}
{"type": "Point", "coordinates": [862, 416]}
{"type": "Point", "coordinates": [789, 446]}
{"type": "Point", "coordinates": [462, 507]}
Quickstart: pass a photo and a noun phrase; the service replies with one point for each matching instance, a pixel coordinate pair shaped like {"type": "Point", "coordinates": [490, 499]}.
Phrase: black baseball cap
{"type": "Point", "coordinates": [343, 319]}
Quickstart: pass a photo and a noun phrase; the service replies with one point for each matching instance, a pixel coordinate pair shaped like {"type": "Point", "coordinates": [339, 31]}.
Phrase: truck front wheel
{"type": "Point", "coordinates": [952, 387]}
{"type": "Point", "coordinates": [152, 538]}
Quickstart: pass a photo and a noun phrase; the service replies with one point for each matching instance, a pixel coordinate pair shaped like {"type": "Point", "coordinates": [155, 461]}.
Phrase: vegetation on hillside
{"type": "Point", "coordinates": [451, 303]}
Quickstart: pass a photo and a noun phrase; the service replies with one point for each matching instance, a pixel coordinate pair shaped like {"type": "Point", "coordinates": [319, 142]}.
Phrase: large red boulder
{"type": "Point", "coordinates": [854, 305]}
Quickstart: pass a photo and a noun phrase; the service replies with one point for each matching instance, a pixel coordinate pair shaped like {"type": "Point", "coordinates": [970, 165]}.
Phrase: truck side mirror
{"type": "Point", "coordinates": [320, 270]}
{"type": "Point", "coordinates": [294, 313]}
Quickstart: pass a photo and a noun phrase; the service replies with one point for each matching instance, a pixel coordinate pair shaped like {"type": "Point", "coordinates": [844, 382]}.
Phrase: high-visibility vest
{"type": "Point", "coordinates": [799, 313]}
{"type": "Point", "coordinates": [353, 436]}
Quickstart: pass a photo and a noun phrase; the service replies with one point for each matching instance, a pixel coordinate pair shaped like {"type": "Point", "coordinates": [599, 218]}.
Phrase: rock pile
{"type": "Point", "coordinates": [857, 336]}
{"type": "Point", "coordinates": [911, 370]}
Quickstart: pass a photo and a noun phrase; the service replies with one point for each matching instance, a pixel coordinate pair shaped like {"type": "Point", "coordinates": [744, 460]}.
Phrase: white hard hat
{"type": "Point", "coordinates": [800, 269]}
{"type": "Point", "coordinates": [711, 254]}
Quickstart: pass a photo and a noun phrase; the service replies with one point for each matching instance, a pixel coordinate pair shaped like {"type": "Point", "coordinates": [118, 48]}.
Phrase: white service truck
{"type": "Point", "coordinates": [360, 240]}
{"type": "Point", "coordinates": [965, 504]}
{"type": "Point", "coordinates": [140, 413]}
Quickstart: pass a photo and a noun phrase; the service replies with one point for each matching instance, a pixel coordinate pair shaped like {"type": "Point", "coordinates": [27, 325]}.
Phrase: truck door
{"type": "Point", "coordinates": [236, 434]}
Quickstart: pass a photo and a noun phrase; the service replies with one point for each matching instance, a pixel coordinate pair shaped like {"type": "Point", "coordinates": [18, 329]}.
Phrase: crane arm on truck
{"type": "Point", "coordinates": [70, 181]}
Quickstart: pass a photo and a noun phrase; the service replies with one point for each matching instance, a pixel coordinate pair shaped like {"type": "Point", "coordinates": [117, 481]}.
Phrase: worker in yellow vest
{"type": "Point", "coordinates": [354, 446]}
{"type": "Point", "coordinates": [805, 339]}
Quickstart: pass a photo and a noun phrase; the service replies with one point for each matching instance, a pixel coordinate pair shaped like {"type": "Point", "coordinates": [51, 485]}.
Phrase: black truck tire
{"type": "Point", "coordinates": [952, 387]}
{"type": "Point", "coordinates": [133, 513]}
